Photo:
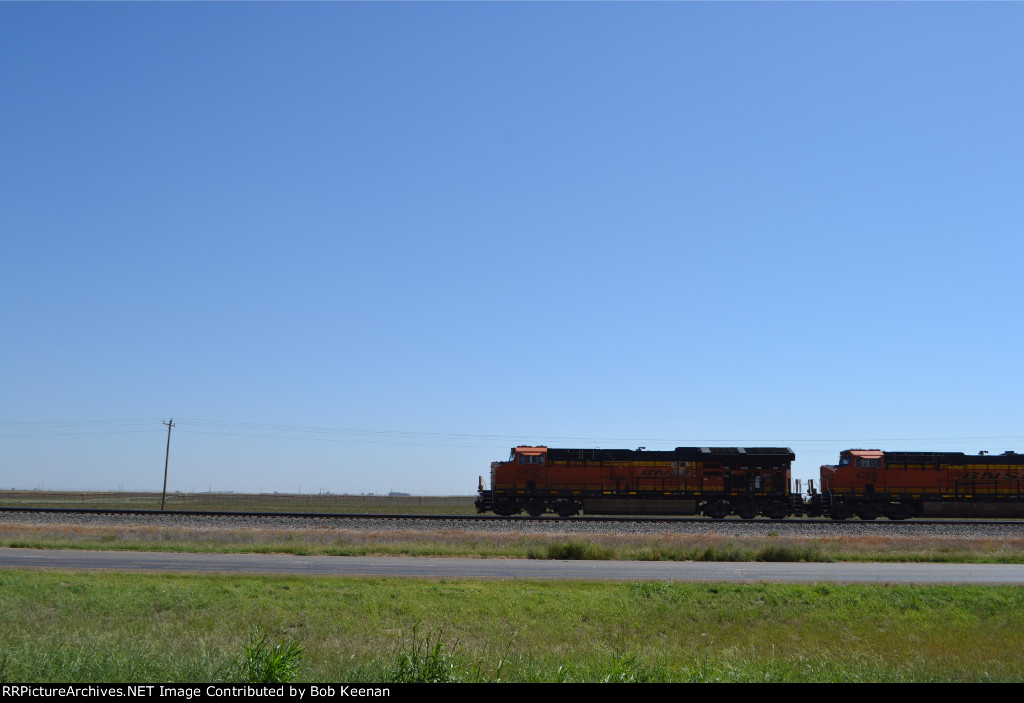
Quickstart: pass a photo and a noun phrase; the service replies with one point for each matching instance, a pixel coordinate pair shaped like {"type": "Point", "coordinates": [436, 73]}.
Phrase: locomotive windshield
{"type": "Point", "coordinates": [528, 455]}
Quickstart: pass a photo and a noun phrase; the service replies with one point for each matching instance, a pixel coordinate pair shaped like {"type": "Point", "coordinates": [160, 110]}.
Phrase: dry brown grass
{"type": "Point", "coordinates": [341, 541]}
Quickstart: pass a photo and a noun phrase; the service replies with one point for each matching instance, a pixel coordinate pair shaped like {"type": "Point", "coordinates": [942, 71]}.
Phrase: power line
{"type": "Point", "coordinates": [46, 428]}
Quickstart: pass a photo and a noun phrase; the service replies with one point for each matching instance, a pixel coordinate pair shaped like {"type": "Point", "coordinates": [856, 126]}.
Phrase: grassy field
{"type": "Point", "coordinates": [244, 502]}
{"type": "Point", "coordinates": [142, 628]}
{"type": "Point", "coordinates": [132, 627]}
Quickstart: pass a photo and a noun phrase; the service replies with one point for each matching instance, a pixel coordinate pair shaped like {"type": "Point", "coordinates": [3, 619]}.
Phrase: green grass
{"type": "Point", "coordinates": [573, 550]}
{"type": "Point", "coordinates": [176, 628]}
{"type": "Point", "coordinates": [265, 662]}
{"type": "Point", "coordinates": [426, 660]}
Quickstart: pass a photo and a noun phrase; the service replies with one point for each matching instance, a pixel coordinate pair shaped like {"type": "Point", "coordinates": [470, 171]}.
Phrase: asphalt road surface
{"type": "Point", "coordinates": [735, 572]}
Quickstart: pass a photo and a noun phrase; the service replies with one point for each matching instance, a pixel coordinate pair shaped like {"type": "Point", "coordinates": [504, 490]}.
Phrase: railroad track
{"type": "Point", "coordinates": [493, 519]}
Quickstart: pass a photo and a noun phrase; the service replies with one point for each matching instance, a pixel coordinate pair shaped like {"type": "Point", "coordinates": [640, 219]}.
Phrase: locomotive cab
{"type": "Point", "coordinates": [858, 485]}
{"type": "Point", "coordinates": [527, 466]}
{"type": "Point", "coordinates": [529, 455]}
{"type": "Point", "coordinates": [513, 481]}
{"type": "Point", "coordinates": [862, 458]}
{"type": "Point", "coordinates": [858, 471]}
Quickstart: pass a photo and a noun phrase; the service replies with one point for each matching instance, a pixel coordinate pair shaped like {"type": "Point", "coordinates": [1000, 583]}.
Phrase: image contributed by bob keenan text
{"type": "Point", "coordinates": [293, 692]}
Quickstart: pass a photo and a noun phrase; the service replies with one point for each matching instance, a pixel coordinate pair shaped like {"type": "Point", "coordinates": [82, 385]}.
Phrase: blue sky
{"type": "Point", "coordinates": [368, 247]}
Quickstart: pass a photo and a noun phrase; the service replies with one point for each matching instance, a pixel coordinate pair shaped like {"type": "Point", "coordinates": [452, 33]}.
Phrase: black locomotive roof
{"type": "Point", "coordinates": [955, 458]}
{"type": "Point", "coordinates": [677, 454]}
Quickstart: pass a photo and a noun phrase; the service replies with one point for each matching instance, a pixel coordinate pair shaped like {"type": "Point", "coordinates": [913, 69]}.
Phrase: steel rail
{"type": "Point", "coordinates": [492, 518]}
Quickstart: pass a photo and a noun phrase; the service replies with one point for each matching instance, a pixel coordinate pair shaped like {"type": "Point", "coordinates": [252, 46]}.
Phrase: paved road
{"type": "Point", "coordinates": [513, 568]}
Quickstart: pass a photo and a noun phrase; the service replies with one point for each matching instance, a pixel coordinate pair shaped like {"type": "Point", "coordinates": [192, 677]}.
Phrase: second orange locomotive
{"type": "Point", "coordinates": [870, 483]}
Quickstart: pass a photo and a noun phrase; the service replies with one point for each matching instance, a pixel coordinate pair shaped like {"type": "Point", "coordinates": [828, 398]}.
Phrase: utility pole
{"type": "Point", "coordinates": [167, 459]}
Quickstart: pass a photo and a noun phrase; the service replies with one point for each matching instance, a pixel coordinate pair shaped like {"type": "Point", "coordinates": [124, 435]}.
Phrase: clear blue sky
{"type": "Point", "coordinates": [369, 247]}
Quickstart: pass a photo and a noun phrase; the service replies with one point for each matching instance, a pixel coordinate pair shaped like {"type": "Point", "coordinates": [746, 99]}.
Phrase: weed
{"type": "Point", "coordinates": [729, 552]}
{"type": "Point", "coordinates": [622, 668]}
{"type": "Point", "coordinates": [702, 673]}
{"type": "Point", "coordinates": [630, 669]}
{"type": "Point", "coordinates": [420, 661]}
{"type": "Point", "coordinates": [783, 552]}
{"type": "Point", "coordinates": [265, 662]}
{"type": "Point", "coordinates": [578, 550]}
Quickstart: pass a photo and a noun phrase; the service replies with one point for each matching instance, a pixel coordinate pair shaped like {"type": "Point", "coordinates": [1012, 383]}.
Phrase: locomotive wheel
{"type": "Point", "coordinates": [868, 513]}
{"type": "Point", "coordinates": [747, 512]}
{"type": "Point", "coordinates": [716, 511]}
{"type": "Point", "coordinates": [506, 508]}
{"type": "Point", "coordinates": [840, 512]}
{"type": "Point", "coordinates": [566, 508]}
{"type": "Point", "coordinates": [536, 509]}
{"type": "Point", "coordinates": [900, 512]}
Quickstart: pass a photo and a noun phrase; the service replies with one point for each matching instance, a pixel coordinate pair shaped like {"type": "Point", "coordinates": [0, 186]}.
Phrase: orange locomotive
{"type": "Point", "coordinates": [870, 483]}
{"type": "Point", "coordinates": [713, 481]}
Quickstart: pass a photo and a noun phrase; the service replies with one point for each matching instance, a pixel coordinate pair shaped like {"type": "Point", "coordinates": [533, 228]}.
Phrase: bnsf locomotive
{"type": "Point", "coordinates": [752, 481]}
{"type": "Point", "coordinates": [870, 483]}
{"type": "Point", "coordinates": [713, 481]}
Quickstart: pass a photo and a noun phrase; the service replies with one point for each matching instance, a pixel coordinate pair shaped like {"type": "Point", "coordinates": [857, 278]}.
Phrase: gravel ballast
{"type": "Point", "coordinates": [738, 528]}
